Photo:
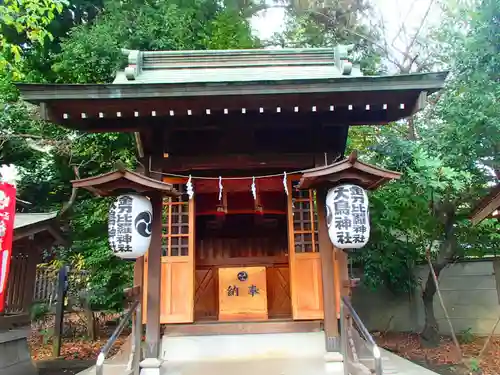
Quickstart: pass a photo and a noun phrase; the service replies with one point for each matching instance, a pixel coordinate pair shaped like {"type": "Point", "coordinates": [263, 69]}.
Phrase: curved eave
{"type": "Point", "coordinates": [350, 169]}
{"type": "Point", "coordinates": [31, 224]}
{"type": "Point", "coordinates": [109, 184]}
{"type": "Point", "coordinates": [37, 93]}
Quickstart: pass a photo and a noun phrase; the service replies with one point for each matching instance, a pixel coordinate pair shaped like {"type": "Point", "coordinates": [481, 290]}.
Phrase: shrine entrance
{"type": "Point", "coordinates": [241, 253]}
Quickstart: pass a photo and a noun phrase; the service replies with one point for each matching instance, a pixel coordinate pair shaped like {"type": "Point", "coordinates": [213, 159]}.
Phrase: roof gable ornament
{"type": "Point", "coordinates": [246, 65]}
{"type": "Point", "coordinates": [349, 170]}
{"type": "Point", "coordinates": [341, 52]}
{"type": "Point", "coordinates": [134, 67]}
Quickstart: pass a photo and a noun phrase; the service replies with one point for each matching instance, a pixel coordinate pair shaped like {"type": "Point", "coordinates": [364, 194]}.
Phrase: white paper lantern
{"type": "Point", "coordinates": [129, 226]}
{"type": "Point", "coordinates": [347, 216]}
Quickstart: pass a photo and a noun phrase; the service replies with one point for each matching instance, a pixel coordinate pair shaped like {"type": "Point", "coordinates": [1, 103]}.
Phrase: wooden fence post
{"type": "Point", "coordinates": [61, 297]}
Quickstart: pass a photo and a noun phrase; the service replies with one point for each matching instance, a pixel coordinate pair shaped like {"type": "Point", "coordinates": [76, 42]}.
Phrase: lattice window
{"type": "Point", "coordinates": [175, 236]}
{"type": "Point", "coordinates": [305, 220]}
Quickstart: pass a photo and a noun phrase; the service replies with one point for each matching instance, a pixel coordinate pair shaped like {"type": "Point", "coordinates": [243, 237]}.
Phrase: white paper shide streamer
{"type": "Point", "coordinates": [285, 183]}
{"type": "Point", "coordinates": [254, 189]}
{"type": "Point", "coordinates": [189, 188]}
{"type": "Point", "coordinates": [220, 188]}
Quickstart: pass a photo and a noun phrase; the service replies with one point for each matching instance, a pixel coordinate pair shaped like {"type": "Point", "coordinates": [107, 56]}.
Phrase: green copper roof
{"type": "Point", "coordinates": [237, 65]}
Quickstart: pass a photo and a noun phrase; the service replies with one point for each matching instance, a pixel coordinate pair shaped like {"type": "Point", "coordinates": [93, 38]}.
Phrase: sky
{"type": "Point", "coordinates": [393, 12]}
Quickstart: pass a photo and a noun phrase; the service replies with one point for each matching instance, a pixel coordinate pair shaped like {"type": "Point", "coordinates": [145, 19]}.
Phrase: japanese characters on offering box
{"type": "Point", "coordinates": [7, 212]}
{"type": "Point", "coordinates": [348, 217]}
{"type": "Point", "coordinates": [234, 291]}
{"type": "Point", "coordinates": [129, 226]}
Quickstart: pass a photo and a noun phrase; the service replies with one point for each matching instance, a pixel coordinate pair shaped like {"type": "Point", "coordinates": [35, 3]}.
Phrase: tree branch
{"type": "Point", "coordinates": [72, 198]}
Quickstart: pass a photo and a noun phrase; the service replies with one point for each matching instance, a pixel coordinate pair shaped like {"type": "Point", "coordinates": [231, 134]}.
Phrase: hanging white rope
{"type": "Point", "coordinates": [189, 188]}
{"type": "Point", "coordinates": [219, 177]}
{"type": "Point", "coordinates": [254, 189]}
{"type": "Point", "coordinates": [220, 188]}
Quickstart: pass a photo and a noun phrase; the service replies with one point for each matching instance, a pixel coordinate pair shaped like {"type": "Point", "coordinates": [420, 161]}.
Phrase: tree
{"type": "Point", "coordinates": [447, 164]}
{"type": "Point", "coordinates": [91, 52]}
{"type": "Point", "coordinates": [464, 132]}
{"type": "Point", "coordinates": [27, 17]}
{"type": "Point", "coordinates": [309, 26]}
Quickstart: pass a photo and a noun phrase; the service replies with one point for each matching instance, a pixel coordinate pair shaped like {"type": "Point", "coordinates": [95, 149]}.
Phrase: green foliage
{"type": "Point", "coordinates": [86, 47]}
{"type": "Point", "coordinates": [328, 27]}
{"type": "Point", "coordinates": [27, 17]}
{"type": "Point", "coordinates": [38, 311]}
{"type": "Point", "coordinates": [466, 336]}
{"type": "Point", "coordinates": [448, 168]}
{"type": "Point", "coordinates": [92, 53]}
{"type": "Point", "coordinates": [474, 365]}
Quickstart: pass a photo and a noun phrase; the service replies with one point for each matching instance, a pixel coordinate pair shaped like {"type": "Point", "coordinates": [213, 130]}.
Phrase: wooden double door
{"type": "Point", "coordinates": [181, 281]}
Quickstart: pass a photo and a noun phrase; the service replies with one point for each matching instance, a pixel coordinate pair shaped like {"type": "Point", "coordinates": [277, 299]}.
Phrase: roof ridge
{"type": "Point", "coordinates": [331, 58]}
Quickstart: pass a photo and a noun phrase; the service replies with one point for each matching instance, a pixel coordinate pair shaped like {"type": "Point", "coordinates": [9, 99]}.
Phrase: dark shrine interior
{"type": "Point", "coordinates": [241, 227]}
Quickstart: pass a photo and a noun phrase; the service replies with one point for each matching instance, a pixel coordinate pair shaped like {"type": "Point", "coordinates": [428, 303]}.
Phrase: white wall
{"type": "Point", "coordinates": [470, 293]}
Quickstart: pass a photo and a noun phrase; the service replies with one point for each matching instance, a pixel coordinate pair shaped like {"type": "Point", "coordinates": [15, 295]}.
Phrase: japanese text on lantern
{"type": "Point", "coordinates": [349, 226]}
{"type": "Point", "coordinates": [120, 225]}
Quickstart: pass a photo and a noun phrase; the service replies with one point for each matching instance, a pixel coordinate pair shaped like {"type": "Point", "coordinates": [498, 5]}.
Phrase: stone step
{"type": "Point", "coordinates": [243, 347]}
{"type": "Point", "coordinates": [271, 366]}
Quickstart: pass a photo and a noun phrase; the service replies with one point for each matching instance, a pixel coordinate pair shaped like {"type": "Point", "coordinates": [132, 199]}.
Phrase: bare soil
{"type": "Point", "coordinates": [445, 359]}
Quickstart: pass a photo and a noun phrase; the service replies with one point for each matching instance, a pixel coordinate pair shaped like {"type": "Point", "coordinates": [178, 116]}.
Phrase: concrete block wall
{"type": "Point", "coordinates": [471, 293]}
{"type": "Point", "coordinates": [15, 358]}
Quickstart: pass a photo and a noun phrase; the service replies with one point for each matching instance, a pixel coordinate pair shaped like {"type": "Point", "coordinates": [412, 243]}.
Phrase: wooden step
{"type": "Point", "coordinates": [238, 328]}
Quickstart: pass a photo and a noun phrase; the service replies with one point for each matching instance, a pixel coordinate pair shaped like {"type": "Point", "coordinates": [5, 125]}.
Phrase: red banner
{"type": "Point", "coordinates": [7, 212]}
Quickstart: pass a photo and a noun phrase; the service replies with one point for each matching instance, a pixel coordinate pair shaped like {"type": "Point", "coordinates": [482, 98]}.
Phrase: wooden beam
{"type": "Point", "coordinates": [154, 281]}
{"type": "Point", "coordinates": [58, 327]}
{"type": "Point", "coordinates": [30, 279]}
{"type": "Point", "coordinates": [8, 322]}
{"type": "Point", "coordinates": [284, 119]}
{"type": "Point", "coordinates": [326, 253]}
{"type": "Point", "coordinates": [238, 162]}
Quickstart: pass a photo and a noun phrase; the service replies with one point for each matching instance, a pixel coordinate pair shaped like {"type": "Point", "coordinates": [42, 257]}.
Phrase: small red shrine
{"type": "Point", "coordinates": [257, 136]}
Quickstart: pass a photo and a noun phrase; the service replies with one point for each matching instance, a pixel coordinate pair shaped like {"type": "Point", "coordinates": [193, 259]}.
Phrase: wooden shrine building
{"type": "Point", "coordinates": [233, 252]}
{"type": "Point", "coordinates": [34, 234]}
{"type": "Point", "coordinates": [488, 206]}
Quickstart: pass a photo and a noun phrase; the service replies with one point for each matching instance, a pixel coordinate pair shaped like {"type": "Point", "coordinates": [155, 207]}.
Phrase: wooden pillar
{"type": "Point", "coordinates": [139, 276]}
{"type": "Point", "coordinates": [345, 281]}
{"type": "Point", "coordinates": [327, 259]}
{"type": "Point", "coordinates": [152, 363]}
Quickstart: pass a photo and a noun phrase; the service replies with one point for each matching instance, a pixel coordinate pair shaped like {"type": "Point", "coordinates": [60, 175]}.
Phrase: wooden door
{"type": "Point", "coordinates": [177, 261]}
{"type": "Point", "coordinates": [305, 262]}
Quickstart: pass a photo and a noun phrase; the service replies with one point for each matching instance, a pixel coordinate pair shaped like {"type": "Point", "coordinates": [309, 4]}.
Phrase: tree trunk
{"type": "Point", "coordinates": [430, 334]}
{"type": "Point", "coordinates": [446, 213]}
{"type": "Point", "coordinates": [412, 131]}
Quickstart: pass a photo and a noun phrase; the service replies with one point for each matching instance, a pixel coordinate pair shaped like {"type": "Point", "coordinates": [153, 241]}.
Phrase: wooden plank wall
{"type": "Point", "coordinates": [269, 250]}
